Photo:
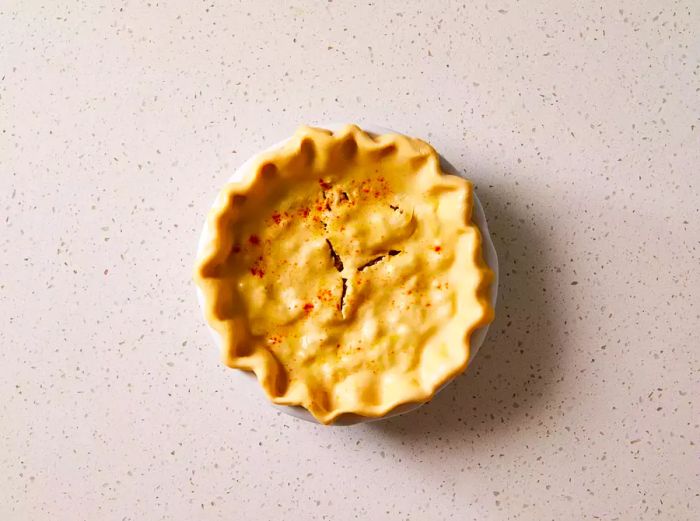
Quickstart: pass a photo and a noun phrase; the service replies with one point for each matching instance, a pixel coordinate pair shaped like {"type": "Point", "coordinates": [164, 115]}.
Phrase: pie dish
{"type": "Point", "coordinates": [343, 268]}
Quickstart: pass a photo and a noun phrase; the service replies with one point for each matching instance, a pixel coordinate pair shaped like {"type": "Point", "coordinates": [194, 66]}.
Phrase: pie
{"type": "Point", "coordinates": [345, 271]}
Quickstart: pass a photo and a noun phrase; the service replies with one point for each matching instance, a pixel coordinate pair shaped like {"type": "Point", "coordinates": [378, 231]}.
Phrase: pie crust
{"type": "Point", "coordinates": [344, 269]}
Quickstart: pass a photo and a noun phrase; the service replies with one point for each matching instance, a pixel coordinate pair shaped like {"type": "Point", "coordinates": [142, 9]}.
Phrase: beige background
{"type": "Point", "coordinates": [578, 124]}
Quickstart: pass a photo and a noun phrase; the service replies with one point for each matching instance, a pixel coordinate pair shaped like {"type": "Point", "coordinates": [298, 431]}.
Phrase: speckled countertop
{"type": "Point", "coordinates": [579, 126]}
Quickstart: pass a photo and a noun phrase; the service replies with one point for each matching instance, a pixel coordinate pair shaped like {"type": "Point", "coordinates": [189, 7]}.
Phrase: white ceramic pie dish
{"type": "Point", "coordinates": [477, 338]}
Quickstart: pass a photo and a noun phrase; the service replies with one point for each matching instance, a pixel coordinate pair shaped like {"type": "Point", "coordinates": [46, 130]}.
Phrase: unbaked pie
{"type": "Point", "coordinates": [345, 271]}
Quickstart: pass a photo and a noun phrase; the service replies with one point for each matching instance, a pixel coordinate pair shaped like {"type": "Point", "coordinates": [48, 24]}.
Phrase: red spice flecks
{"type": "Point", "coordinates": [325, 295]}
{"type": "Point", "coordinates": [236, 249]}
{"type": "Point", "coordinates": [324, 184]}
{"type": "Point", "coordinates": [308, 307]}
{"type": "Point", "coordinates": [254, 239]}
{"type": "Point", "coordinates": [257, 272]}
{"type": "Point", "coordinates": [277, 218]}
{"type": "Point", "coordinates": [303, 212]}
{"type": "Point", "coordinates": [438, 248]}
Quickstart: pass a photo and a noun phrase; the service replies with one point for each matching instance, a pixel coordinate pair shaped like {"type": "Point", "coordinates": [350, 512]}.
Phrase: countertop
{"type": "Point", "coordinates": [579, 125]}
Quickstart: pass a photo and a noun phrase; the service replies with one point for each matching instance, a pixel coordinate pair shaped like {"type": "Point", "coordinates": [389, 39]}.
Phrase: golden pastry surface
{"type": "Point", "coordinates": [345, 271]}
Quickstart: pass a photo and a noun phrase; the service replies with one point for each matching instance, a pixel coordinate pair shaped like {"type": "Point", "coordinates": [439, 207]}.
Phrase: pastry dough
{"type": "Point", "coordinates": [345, 271]}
